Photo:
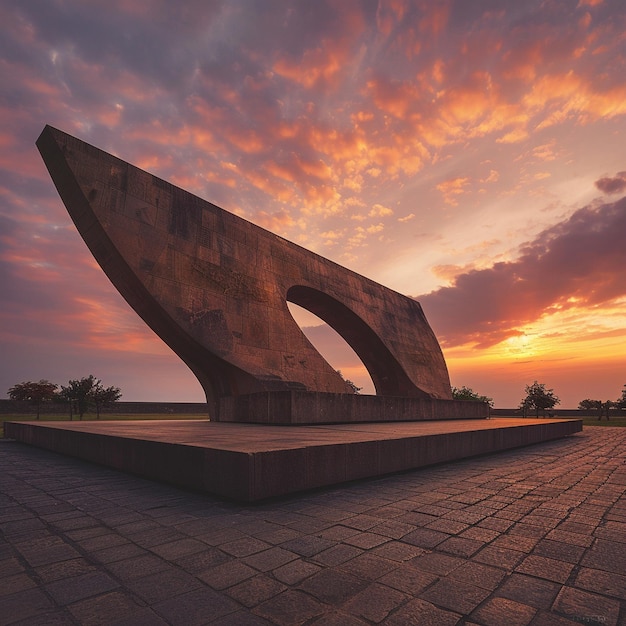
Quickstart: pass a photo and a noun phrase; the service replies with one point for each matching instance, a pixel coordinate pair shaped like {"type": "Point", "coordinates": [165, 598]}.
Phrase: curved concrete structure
{"type": "Point", "coordinates": [215, 287]}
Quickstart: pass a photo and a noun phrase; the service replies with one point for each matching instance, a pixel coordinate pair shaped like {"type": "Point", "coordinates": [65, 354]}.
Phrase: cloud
{"type": "Point", "coordinates": [576, 264]}
{"type": "Point", "coordinates": [615, 184]}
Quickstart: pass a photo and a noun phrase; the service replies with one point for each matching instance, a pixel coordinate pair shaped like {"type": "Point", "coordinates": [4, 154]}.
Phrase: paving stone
{"type": "Point", "coordinates": [535, 592]}
{"type": "Point", "coordinates": [15, 583]}
{"type": "Point", "coordinates": [455, 595]}
{"type": "Point", "coordinates": [336, 617]}
{"type": "Point", "coordinates": [240, 618]}
{"type": "Point", "coordinates": [423, 613]}
{"type": "Point", "coordinates": [560, 551]}
{"type": "Point", "coordinates": [583, 606]}
{"type": "Point", "coordinates": [543, 567]}
{"type": "Point", "coordinates": [368, 566]}
{"type": "Point", "coordinates": [425, 538]}
{"type": "Point", "coordinates": [179, 548]}
{"type": "Point", "coordinates": [392, 529]}
{"type": "Point", "coordinates": [106, 609]}
{"type": "Point", "coordinates": [606, 555]}
{"type": "Point", "coordinates": [512, 541]}
{"type": "Point", "coordinates": [270, 559]}
{"type": "Point", "coordinates": [69, 590]}
{"type": "Point", "coordinates": [484, 576]}
{"type": "Point", "coordinates": [244, 546]}
{"type": "Point", "coordinates": [227, 574]}
{"type": "Point", "coordinates": [499, 557]}
{"type": "Point", "coordinates": [375, 602]}
{"type": "Point", "coordinates": [137, 567]}
{"type": "Point", "coordinates": [337, 555]}
{"type": "Point", "coordinates": [308, 545]}
{"type": "Point", "coordinates": [460, 546]}
{"type": "Point", "coordinates": [552, 619]}
{"type": "Point", "coordinates": [290, 608]}
{"type": "Point", "coordinates": [437, 563]}
{"type": "Point", "coordinates": [447, 526]}
{"type": "Point", "coordinates": [398, 551]}
{"type": "Point", "coordinates": [501, 611]}
{"type": "Point", "coordinates": [296, 571]}
{"type": "Point", "coordinates": [168, 583]}
{"type": "Point", "coordinates": [600, 581]}
{"type": "Point", "coordinates": [256, 590]}
{"type": "Point", "coordinates": [332, 586]}
{"type": "Point", "coordinates": [408, 579]}
{"type": "Point", "coordinates": [366, 540]}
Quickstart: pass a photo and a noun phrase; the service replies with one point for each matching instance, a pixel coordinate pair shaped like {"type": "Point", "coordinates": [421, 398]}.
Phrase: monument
{"type": "Point", "coordinates": [215, 288]}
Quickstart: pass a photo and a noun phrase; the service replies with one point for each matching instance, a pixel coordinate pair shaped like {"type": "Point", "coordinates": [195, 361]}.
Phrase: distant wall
{"type": "Point", "coordinates": [12, 407]}
{"type": "Point", "coordinates": [556, 413]}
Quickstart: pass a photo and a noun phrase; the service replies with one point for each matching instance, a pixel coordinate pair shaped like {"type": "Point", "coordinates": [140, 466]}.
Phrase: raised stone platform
{"type": "Point", "coordinates": [252, 462]}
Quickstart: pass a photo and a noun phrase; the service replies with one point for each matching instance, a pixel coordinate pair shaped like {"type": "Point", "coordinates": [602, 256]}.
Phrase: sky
{"type": "Point", "coordinates": [469, 154]}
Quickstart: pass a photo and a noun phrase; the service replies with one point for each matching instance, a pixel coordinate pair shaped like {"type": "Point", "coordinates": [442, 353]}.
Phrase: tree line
{"type": "Point", "coordinates": [539, 398]}
{"type": "Point", "coordinates": [80, 395]}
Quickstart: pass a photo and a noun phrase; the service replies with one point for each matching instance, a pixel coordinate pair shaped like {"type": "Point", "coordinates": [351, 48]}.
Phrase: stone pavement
{"type": "Point", "coordinates": [534, 536]}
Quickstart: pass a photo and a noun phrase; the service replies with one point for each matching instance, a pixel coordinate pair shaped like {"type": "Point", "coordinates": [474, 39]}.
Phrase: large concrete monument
{"type": "Point", "coordinates": [215, 288]}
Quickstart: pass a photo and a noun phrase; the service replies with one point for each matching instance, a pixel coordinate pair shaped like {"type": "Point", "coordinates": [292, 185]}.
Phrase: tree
{"type": "Point", "coordinates": [591, 405]}
{"type": "Point", "coordinates": [33, 392]}
{"type": "Point", "coordinates": [78, 393]}
{"type": "Point", "coordinates": [465, 393]}
{"type": "Point", "coordinates": [538, 398]}
{"type": "Point", "coordinates": [102, 396]}
{"type": "Point", "coordinates": [352, 385]}
{"type": "Point", "coordinates": [621, 402]}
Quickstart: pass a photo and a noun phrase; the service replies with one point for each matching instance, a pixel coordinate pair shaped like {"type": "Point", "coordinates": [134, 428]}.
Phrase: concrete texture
{"type": "Point", "coordinates": [250, 462]}
{"type": "Point", "coordinates": [215, 287]}
{"type": "Point", "coordinates": [530, 537]}
{"type": "Point", "coordinates": [307, 407]}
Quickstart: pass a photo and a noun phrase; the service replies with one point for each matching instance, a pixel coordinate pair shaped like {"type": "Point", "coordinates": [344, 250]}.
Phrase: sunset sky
{"type": "Point", "coordinates": [470, 154]}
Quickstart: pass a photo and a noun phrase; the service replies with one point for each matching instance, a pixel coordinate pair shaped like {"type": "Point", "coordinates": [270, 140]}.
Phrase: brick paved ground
{"type": "Point", "coordinates": [534, 536]}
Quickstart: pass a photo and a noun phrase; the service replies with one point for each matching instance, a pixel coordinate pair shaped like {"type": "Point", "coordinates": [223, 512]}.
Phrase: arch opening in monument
{"type": "Point", "coordinates": [388, 376]}
{"type": "Point", "coordinates": [333, 348]}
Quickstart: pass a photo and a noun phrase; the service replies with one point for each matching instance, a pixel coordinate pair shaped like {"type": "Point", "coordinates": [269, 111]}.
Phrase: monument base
{"type": "Point", "coordinates": [250, 462]}
{"type": "Point", "coordinates": [310, 407]}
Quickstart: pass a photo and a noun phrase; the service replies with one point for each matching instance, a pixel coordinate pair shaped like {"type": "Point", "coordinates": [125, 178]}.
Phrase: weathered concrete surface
{"type": "Point", "coordinates": [306, 407]}
{"type": "Point", "coordinates": [215, 287]}
{"type": "Point", "coordinates": [252, 462]}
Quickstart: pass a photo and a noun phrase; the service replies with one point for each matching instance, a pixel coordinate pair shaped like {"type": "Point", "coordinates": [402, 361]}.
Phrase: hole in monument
{"type": "Point", "coordinates": [333, 347]}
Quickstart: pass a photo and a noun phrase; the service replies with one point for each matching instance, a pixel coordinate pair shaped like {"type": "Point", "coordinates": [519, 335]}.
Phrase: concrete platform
{"type": "Point", "coordinates": [251, 462]}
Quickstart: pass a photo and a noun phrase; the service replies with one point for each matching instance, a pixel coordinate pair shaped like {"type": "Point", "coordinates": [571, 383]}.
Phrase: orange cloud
{"type": "Point", "coordinates": [558, 271]}
{"type": "Point", "coordinates": [452, 188]}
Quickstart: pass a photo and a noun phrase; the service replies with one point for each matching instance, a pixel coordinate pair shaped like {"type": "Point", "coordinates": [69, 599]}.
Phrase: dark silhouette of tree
{"type": "Point", "coordinates": [352, 385]}
{"type": "Point", "coordinates": [466, 393]}
{"type": "Point", "coordinates": [80, 394]}
{"type": "Point", "coordinates": [606, 409]}
{"type": "Point", "coordinates": [591, 406]}
{"type": "Point", "coordinates": [37, 393]}
{"type": "Point", "coordinates": [621, 402]}
{"type": "Point", "coordinates": [102, 396]}
{"type": "Point", "coordinates": [538, 398]}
